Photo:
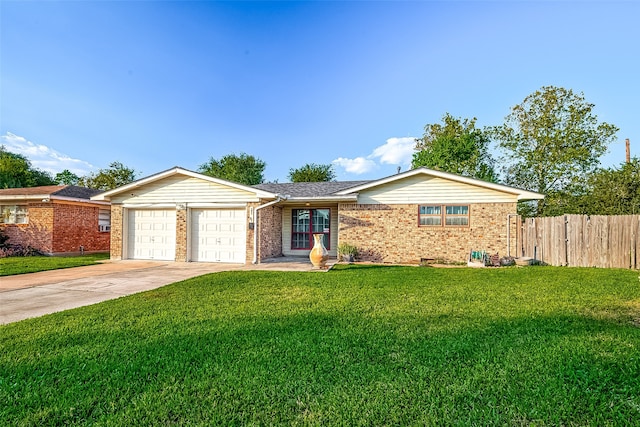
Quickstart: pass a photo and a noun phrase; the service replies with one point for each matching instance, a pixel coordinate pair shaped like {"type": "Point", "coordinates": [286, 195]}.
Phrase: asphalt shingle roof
{"type": "Point", "coordinates": [309, 189]}
{"type": "Point", "coordinates": [77, 192]}
{"type": "Point", "coordinates": [72, 191]}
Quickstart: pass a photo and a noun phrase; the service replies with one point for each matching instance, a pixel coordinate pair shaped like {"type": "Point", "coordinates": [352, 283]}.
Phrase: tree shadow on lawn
{"type": "Point", "coordinates": [337, 368]}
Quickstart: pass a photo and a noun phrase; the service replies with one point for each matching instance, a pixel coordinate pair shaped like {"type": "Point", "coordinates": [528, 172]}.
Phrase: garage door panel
{"type": "Point", "coordinates": [152, 234]}
{"type": "Point", "coordinates": [218, 235]}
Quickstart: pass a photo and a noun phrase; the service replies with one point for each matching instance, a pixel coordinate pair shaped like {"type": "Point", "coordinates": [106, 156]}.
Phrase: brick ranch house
{"type": "Point", "coordinates": [55, 219]}
{"type": "Point", "coordinates": [186, 216]}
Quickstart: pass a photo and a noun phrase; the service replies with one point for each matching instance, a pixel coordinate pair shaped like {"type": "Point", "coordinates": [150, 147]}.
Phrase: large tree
{"type": "Point", "coordinates": [115, 175]}
{"type": "Point", "coordinates": [455, 146]}
{"type": "Point", "coordinates": [243, 169]}
{"type": "Point", "coordinates": [66, 177]}
{"type": "Point", "coordinates": [16, 171]}
{"type": "Point", "coordinates": [551, 142]}
{"type": "Point", "coordinates": [614, 191]}
{"type": "Point", "coordinates": [312, 172]}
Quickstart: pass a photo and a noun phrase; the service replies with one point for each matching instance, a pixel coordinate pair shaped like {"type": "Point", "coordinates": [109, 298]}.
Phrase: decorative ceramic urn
{"type": "Point", "coordinates": [319, 254]}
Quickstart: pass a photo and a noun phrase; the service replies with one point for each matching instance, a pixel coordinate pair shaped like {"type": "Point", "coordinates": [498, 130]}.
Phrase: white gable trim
{"type": "Point", "coordinates": [521, 194]}
{"type": "Point", "coordinates": [184, 172]}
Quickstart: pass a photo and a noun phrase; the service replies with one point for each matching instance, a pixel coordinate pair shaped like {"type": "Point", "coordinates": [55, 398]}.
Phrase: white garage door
{"type": "Point", "coordinates": [218, 235]}
{"type": "Point", "coordinates": [152, 234]}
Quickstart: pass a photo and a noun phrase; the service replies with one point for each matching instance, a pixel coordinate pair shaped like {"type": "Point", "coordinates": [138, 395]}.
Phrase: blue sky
{"type": "Point", "coordinates": [157, 84]}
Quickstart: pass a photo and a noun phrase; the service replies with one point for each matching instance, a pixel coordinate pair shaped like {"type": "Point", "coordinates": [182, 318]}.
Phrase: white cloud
{"type": "Point", "coordinates": [357, 166]}
{"type": "Point", "coordinates": [43, 157]}
{"type": "Point", "coordinates": [396, 151]}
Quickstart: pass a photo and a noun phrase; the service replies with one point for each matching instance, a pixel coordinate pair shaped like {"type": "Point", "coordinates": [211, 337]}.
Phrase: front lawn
{"type": "Point", "coordinates": [358, 345]}
{"type": "Point", "coordinates": [32, 264]}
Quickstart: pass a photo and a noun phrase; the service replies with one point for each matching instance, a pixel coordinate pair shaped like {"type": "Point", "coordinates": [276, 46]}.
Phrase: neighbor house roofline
{"type": "Point", "coordinates": [521, 194]}
{"type": "Point", "coordinates": [48, 193]}
{"type": "Point", "coordinates": [180, 171]}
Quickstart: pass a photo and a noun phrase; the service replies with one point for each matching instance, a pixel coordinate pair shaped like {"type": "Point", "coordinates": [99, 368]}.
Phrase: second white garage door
{"type": "Point", "coordinates": [218, 235]}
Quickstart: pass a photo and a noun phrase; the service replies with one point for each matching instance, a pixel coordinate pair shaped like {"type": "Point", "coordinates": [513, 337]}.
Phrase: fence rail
{"type": "Point", "coordinates": [583, 241]}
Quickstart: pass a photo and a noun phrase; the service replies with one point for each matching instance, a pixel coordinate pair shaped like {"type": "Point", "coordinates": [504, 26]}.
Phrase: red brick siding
{"type": "Point", "coordinates": [250, 233]}
{"type": "Point", "coordinates": [270, 232]}
{"type": "Point", "coordinates": [390, 233]}
{"type": "Point", "coordinates": [38, 232]}
{"type": "Point", "coordinates": [76, 225]}
{"type": "Point", "coordinates": [60, 227]}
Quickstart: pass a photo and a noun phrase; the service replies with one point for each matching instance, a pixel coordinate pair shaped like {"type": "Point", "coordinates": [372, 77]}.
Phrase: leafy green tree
{"type": "Point", "coordinates": [242, 169]}
{"type": "Point", "coordinates": [614, 191]}
{"type": "Point", "coordinates": [312, 172]}
{"type": "Point", "coordinates": [455, 146]}
{"type": "Point", "coordinates": [16, 171]}
{"type": "Point", "coordinates": [66, 177]}
{"type": "Point", "coordinates": [115, 175]}
{"type": "Point", "coordinates": [551, 142]}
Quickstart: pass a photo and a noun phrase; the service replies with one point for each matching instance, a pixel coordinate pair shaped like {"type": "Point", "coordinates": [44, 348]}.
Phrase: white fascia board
{"type": "Point", "coordinates": [521, 194]}
{"type": "Point", "coordinates": [24, 197]}
{"type": "Point", "coordinates": [180, 171]}
{"type": "Point", "coordinates": [529, 195]}
{"type": "Point", "coordinates": [40, 197]}
{"type": "Point", "coordinates": [75, 199]}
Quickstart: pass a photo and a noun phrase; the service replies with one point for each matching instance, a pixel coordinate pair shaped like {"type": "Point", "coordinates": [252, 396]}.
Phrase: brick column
{"type": "Point", "coordinates": [117, 229]}
{"type": "Point", "coordinates": [181, 234]}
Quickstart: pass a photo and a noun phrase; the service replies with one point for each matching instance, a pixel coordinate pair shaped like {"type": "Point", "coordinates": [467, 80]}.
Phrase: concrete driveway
{"type": "Point", "coordinates": [31, 295]}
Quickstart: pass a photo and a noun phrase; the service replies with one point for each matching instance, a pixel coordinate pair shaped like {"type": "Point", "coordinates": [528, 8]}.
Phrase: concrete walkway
{"type": "Point", "coordinates": [31, 295]}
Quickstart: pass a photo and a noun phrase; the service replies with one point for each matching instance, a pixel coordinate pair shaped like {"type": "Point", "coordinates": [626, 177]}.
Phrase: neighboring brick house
{"type": "Point", "coordinates": [55, 219]}
{"type": "Point", "coordinates": [186, 216]}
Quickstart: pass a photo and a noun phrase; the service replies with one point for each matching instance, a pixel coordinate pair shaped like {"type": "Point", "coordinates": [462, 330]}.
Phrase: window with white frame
{"type": "Point", "coordinates": [104, 220]}
{"type": "Point", "coordinates": [443, 215]}
{"type": "Point", "coordinates": [14, 214]}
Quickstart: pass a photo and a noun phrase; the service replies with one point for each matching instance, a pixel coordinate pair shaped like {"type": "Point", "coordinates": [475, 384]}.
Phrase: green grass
{"type": "Point", "coordinates": [32, 264]}
{"type": "Point", "coordinates": [358, 345]}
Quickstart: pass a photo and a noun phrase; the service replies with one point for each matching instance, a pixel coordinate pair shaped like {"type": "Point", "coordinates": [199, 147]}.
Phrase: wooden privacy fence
{"type": "Point", "coordinates": [583, 240]}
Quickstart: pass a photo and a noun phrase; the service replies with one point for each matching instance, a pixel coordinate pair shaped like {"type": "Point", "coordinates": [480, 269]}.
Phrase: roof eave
{"type": "Point", "coordinates": [180, 171]}
{"type": "Point", "coordinates": [321, 199]}
{"type": "Point", "coordinates": [528, 195]}
{"type": "Point", "coordinates": [25, 197]}
{"type": "Point", "coordinates": [521, 194]}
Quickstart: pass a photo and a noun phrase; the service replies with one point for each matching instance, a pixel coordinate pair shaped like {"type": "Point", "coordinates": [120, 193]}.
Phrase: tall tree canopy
{"type": "Point", "coordinates": [614, 191]}
{"type": "Point", "coordinates": [551, 142]}
{"type": "Point", "coordinates": [312, 172]}
{"type": "Point", "coordinates": [66, 177]}
{"type": "Point", "coordinates": [115, 175]}
{"type": "Point", "coordinates": [455, 146]}
{"type": "Point", "coordinates": [243, 169]}
{"type": "Point", "coordinates": [16, 172]}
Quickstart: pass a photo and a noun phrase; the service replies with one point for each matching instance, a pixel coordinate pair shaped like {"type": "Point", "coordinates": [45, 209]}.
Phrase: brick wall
{"type": "Point", "coordinates": [38, 232]}
{"type": "Point", "coordinates": [116, 232]}
{"type": "Point", "coordinates": [181, 235]}
{"type": "Point", "coordinates": [76, 225]}
{"type": "Point", "coordinates": [250, 233]}
{"type": "Point", "coordinates": [390, 233]}
{"type": "Point", "coordinates": [60, 227]}
{"type": "Point", "coordinates": [270, 232]}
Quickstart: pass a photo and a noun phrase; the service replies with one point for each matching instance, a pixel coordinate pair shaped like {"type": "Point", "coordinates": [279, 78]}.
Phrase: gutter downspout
{"type": "Point", "coordinates": [509, 234]}
{"type": "Point", "coordinates": [278, 199]}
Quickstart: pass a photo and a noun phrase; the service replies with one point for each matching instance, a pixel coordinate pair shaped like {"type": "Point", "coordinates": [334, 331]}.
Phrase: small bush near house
{"type": "Point", "coordinates": [9, 250]}
{"type": "Point", "coordinates": [18, 251]}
